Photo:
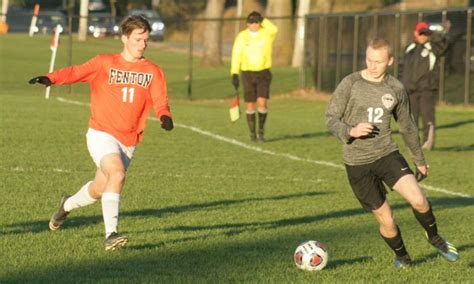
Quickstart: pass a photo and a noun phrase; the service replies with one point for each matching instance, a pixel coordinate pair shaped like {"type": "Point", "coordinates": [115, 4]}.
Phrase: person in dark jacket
{"type": "Point", "coordinates": [419, 72]}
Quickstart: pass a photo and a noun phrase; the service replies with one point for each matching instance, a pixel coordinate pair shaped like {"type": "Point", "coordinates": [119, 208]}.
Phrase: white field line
{"type": "Point", "coordinates": [264, 151]}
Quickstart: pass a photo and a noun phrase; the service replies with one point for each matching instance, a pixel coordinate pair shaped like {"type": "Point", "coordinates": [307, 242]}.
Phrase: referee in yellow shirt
{"type": "Point", "coordinates": [252, 58]}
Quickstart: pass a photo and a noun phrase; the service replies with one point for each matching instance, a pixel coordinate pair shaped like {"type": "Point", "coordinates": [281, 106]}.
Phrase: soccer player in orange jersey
{"type": "Point", "coordinates": [124, 87]}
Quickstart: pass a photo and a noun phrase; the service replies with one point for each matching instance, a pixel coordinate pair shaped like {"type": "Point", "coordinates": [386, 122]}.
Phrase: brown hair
{"type": "Point", "coordinates": [379, 43]}
{"type": "Point", "coordinates": [132, 23]}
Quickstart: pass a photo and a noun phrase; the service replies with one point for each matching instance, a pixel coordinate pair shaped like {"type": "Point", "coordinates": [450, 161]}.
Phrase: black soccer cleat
{"type": "Point", "coordinates": [115, 241]}
{"type": "Point", "coordinates": [402, 261]}
{"type": "Point", "coordinates": [445, 248]}
{"type": "Point", "coordinates": [60, 216]}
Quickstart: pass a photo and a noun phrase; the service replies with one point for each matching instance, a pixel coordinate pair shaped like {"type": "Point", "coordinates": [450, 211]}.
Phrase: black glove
{"type": "Point", "coordinates": [419, 176]}
{"type": "Point", "coordinates": [235, 81]}
{"type": "Point", "coordinates": [42, 80]}
{"type": "Point", "coordinates": [166, 122]}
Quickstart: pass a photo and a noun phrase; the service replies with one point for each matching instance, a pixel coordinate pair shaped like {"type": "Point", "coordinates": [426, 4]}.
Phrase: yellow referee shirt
{"type": "Point", "coordinates": [253, 51]}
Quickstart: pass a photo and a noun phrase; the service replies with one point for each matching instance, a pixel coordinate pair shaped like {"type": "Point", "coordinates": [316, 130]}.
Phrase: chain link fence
{"type": "Point", "coordinates": [335, 47]}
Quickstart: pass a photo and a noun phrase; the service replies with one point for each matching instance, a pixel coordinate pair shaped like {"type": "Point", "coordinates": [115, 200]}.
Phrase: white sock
{"type": "Point", "coordinates": [80, 199]}
{"type": "Point", "coordinates": [110, 211]}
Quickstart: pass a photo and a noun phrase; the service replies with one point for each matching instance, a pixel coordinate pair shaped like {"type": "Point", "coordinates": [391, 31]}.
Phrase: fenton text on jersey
{"type": "Point", "coordinates": [127, 77]}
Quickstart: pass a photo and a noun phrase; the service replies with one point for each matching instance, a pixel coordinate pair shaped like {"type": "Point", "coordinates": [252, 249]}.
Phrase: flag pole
{"type": "Point", "coordinates": [34, 19]}
{"type": "Point", "coordinates": [54, 48]}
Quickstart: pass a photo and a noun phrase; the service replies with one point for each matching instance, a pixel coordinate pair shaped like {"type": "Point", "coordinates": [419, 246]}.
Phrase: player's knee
{"type": "Point", "coordinates": [388, 221]}
{"type": "Point", "coordinates": [117, 175]}
{"type": "Point", "coordinates": [420, 204]}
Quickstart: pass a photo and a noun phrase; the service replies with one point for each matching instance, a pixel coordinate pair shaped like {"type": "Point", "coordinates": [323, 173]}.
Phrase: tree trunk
{"type": "Point", "coordinates": [303, 9]}
{"type": "Point", "coordinates": [4, 11]}
{"type": "Point", "coordinates": [251, 5]}
{"type": "Point", "coordinates": [282, 47]}
{"type": "Point", "coordinates": [113, 8]}
{"type": "Point", "coordinates": [84, 12]}
{"type": "Point", "coordinates": [155, 4]}
{"type": "Point", "coordinates": [212, 54]}
{"type": "Point", "coordinates": [324, 6]}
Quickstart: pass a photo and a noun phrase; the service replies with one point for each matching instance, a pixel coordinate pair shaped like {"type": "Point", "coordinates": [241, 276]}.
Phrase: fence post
{"type": "Point", "coordinates": [303, 57]}
{"type": "Point", "coordinates": [338, 49]}
{"type": "Point", "coordinates": [442, 64]}
{"type": "Point", "coordinates": [467, 84]}
{"type": "Point", "coordinates": [396, 45]}
{"type": "Point", "coordinates": [320, 52]}
{"type": "Point", "coordinates": [69, 23]}
{"type": "Point", "coordinates": [190, 59]}
{"type": "Point", "coordinates": [355, 44]}
{"type": "Point", "coordinates": [376, 25]}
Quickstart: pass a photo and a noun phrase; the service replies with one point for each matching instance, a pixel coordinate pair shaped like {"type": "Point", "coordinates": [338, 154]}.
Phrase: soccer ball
{"type": "Point", "coordinates": [311, 256]}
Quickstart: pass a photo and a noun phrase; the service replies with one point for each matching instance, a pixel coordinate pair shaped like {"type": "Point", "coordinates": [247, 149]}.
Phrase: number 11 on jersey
{"type": "Point", "coordinates": [128, 93]}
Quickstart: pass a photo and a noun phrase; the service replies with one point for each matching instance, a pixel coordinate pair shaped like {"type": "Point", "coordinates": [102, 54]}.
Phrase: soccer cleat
{"type": "Point", "coordinates": [60, 216]}
{"type": "Point", "coordinates": [402, 261]}
{"type": "Point", "coordinates": [253, 137]}
{"type": "Point", "coordinates": [260, 137]}
{"type": "Point", "coordinates": [114, 241]}
{"type": "Point", "coordinates": [446, 249]}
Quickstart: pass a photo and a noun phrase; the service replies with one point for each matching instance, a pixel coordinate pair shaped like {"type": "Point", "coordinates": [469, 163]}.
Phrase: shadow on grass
{"type": "Point", "coordinates": [42, 225]}
{"type": "Point", "coordinates": [327, 134]}
{"type": "Point", "coordinates": [237, 228]}
{"type": "Point", "coordinates": [232, 260]}
{"type": "Point", "coordinates": [335, 264]}
{"type": "Point", "coordinates": [455, 124]}
{"type": "Point", "coordinates": [454, 148]}
{"type": "Point", "coordinates": [449, 125]}
{"type": "Point", "coordinates": [229, 261]}
{"type": "Point", "coordinates": [298, 136]}
{"type": "Point", "coordinates": [461, 249]}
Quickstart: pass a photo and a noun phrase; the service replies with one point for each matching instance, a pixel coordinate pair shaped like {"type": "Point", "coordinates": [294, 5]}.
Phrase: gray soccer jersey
{"type": "Point", "coordinates": [357, 100]}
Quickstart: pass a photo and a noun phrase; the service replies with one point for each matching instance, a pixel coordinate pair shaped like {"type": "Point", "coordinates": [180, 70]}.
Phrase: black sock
{"type": "Point", "coordinates": [396, 243]}
{"type": "Point", "coordinates": [262, 117]}
{"type": "Point", "coordinates": [428, 221]}
{"type": "Point", "coordinates": [251, 123]}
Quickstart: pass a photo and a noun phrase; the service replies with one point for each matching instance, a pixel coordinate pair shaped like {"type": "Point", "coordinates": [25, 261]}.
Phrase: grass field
{"type": "Point", "coordinates": [202, 203]}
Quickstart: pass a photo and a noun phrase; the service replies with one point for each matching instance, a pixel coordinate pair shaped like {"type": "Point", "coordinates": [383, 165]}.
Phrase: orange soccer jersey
{"type": "Point", "coordinates": [122, 94]}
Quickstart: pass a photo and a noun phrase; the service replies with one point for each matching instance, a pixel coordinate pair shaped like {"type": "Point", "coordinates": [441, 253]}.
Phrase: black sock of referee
{"type": "Point", "coordinates": [396, 243]}
{"type": "Point", "coordinates": [251, 123]}
{"type": "Point", "coordinates": [428, 221]}
{"type": "Point", "coordinates": [262, 117]}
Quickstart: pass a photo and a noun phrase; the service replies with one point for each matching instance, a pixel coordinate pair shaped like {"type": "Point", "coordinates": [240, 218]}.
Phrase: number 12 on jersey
{"type": "Point", "coordinates": [128, 93]}
{"type": "Point", "coordinates": [375, 114]}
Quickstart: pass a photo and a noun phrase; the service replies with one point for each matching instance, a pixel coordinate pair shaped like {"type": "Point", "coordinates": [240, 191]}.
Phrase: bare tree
{"type": "Point", "coordinates": [113, 8]}
{"type": "Point", "coordinates": [282, 49]}
{"type": "Point", "coordinates": [251, 5]}
{"type": "Point", "coordinates": [303, 9]}
{"type": "Point", "coordinates": [4, 11]}
{"type": "Point", "coordinates": [212, 55]}
{"type": "Point", "coordinates": [155, 4]}
{"type": "Point", "coordinates": [325, 6]}
{"type": "Point", "coordinates": [84, 12]}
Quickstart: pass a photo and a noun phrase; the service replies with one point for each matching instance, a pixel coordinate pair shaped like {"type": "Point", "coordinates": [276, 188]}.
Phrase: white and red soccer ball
{"type": "Point", "coordinates": [311, 256]}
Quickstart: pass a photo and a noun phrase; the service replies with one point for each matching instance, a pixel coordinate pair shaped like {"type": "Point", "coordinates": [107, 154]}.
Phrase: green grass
{"type": "Point", "coordinates": [199, 209]}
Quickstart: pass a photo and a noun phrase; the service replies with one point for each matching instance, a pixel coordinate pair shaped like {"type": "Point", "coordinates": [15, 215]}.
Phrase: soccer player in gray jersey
{"type": "Point", "coordinates": [359, 114]}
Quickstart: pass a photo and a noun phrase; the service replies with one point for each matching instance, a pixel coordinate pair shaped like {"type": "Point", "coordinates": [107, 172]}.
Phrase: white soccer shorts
{"type": "Point", "coordinates": [100, 144]}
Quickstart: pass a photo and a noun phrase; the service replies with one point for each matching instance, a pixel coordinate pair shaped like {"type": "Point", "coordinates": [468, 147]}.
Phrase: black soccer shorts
{"type": "Point", "coordinates": [367, 181]}
{"type": "Point", "coordinates": [256, 84]}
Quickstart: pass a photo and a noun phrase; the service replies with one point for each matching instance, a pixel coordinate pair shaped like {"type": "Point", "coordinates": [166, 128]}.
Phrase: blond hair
{"type": "Point", "coordinates": [380, 43]}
